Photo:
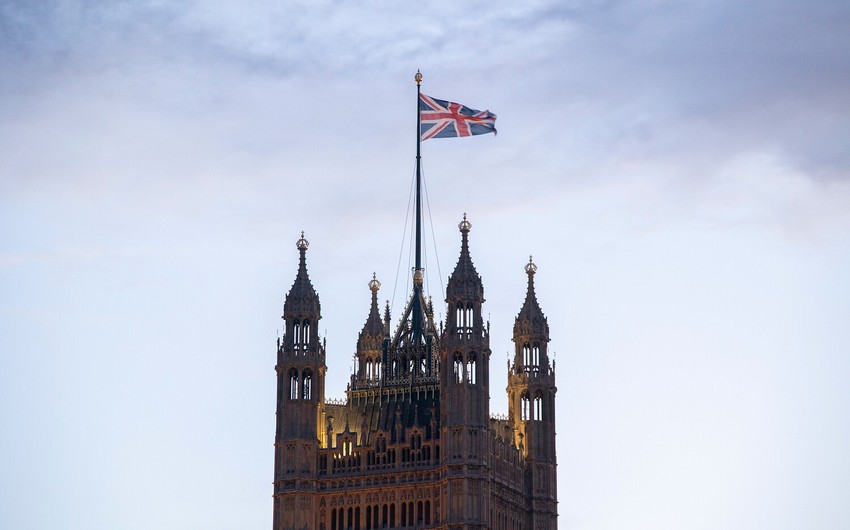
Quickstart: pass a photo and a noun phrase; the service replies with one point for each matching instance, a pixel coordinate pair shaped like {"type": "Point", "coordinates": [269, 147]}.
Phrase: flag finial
{"type": "Point", "coordinates": [418, 77]}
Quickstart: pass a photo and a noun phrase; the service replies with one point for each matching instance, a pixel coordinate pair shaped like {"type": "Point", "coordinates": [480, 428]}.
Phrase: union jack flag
{"type": "Point", "coordinates": [444, 119]}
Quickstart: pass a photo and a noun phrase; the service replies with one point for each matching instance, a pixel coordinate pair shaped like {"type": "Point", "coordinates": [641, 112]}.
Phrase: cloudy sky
{"type": "Point", "coordinates": [679, 170]}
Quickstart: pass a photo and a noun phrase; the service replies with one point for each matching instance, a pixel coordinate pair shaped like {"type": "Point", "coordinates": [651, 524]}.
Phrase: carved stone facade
{"type": "Point", "coordinates": [414, 445]}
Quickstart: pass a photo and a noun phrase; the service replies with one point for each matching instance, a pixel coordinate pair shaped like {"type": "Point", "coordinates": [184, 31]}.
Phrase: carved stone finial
{"type": "Point", "coordinates": [464, 226]}
{"type": "Point", "coordinates": [302, 243]}
{"type": "Point", "coordinates": [374, 285]}
{"type": "Point", "coordinates": [530, 268]}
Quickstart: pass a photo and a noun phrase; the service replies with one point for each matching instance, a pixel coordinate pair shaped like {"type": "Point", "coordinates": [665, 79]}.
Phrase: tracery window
{"type": "Point", "coordinates": [293, 383]}
{"type": "Point", "coordinates": [463, 319]}
{"type": "Point", "coordinates": [307, 384]}
{"type": "Point", "coordinates": [525, 407]}
{"type": "Point", "coordinates": [470, 369]}
{"type": "Point", "coordinates": [301, 334]}
{"type": "Point", "coordinates": [347, 446]}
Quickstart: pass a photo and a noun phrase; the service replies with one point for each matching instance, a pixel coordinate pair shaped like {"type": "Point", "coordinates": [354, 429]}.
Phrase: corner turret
{"type": "Point", "coordinates": [370, 341]}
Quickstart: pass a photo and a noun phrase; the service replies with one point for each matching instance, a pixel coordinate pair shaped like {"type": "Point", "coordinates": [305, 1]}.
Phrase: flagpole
{"type": "Point", "coordinates": [418, 78]}
{"type": "Point", "coordinates": [418, 275]}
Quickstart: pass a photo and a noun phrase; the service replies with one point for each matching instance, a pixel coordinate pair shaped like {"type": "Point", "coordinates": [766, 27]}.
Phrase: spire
{"type": "Point", "coordinates": [464, 283]}
{"type": "Point", "coordinates": [302, 300]}
{"type": "Point", "coordinates": [373, 330]}
{"type": "Point", "coordinates": [531, 320]}
{"type": "Point", "coordinates": [387, 318]}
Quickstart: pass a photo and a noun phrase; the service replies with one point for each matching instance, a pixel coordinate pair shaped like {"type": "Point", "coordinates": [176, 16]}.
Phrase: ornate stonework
{"type": "Point", "coordinates": [413, 445]}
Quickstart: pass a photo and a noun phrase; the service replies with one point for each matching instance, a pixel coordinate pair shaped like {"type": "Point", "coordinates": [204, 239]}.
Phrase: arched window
{"type": "Point", "coordinates": [301, 334]}
{"type": "Point", "coordinates": [307, 384]}
{"type": "Point", "coordinates": [458, 368]}
{"type": "Point", "coordinates": [525, 414]}
{"type": "Point", "coordinates": [293, 384]}
{"type": "Point", "coordinates": [463, 319]}
{"type": "Point", "coordinates": [538, 407]}
{"type": "Point", "coordinates": [470, 369]}
{"type": "Point", "coordinates": [347, 446]}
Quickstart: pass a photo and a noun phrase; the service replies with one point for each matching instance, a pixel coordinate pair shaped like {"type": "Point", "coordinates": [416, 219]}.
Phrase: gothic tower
{"type": "Point", "coordinates": [413, 444]}
{"type": "Point", "coordinates": [531, 407]}
{"type": "Point", "coordinates": [300, 391]}
{"type": "Point", "coordinates": [464, 380]}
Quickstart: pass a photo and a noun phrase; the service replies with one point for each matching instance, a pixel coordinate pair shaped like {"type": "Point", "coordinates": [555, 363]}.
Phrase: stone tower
{"type": "Point", "coordinates": [465, 382]}
{"type": "Point", "coordinates": [531, 398]}
{"type": "Point", "coordinates": [413, 443]}
{"type": "Point", "coordinates": [300, 390]}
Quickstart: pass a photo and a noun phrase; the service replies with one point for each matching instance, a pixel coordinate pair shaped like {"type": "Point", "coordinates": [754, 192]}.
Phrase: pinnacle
{"type": "Point", "coordinates": [373, 329]}
{"type": "Point", "coordinates": [531, 319]}
{"type": "Point", "coordinates": [302, 300]}
{"type": "Point", "coordinates": [465, 282]}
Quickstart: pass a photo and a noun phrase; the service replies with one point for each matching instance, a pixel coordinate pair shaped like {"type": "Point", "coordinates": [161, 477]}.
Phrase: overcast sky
{"type": "Point", "coordinates": [680, 172]}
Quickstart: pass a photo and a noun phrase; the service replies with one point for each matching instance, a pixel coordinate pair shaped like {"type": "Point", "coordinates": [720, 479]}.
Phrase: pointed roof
{"type": "Point", "coordinates": [373, 330]}
{"type": "Point", "coordinates": [531, 320]}
{"type": "Point", "coordinates": [465, 282]}
{"type": "Point", "coordinates": [302, 300]}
